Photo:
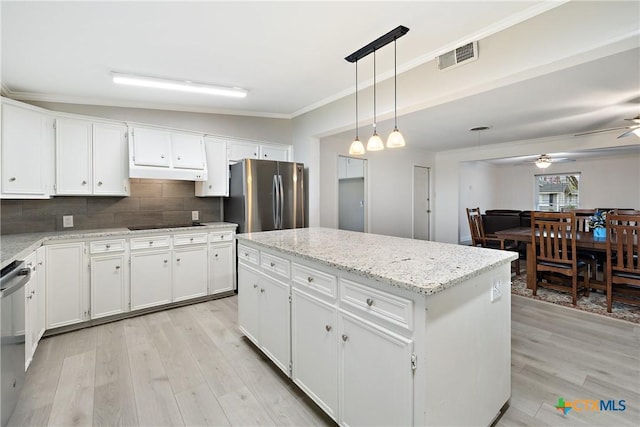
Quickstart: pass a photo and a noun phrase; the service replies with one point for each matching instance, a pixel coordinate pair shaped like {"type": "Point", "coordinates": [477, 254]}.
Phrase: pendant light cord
{"type": "Point", "coordinates": [374, 91]}
{"type": "Point", "coordinates": [356, 99]}
{"type": "Point", "coordinates": [395, 86]}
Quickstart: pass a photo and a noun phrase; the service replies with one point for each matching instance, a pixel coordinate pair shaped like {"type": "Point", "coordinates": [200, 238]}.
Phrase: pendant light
{"type": "Point", "coordinates": [395, 139]}
{"type": "Point", "coordinates": [375, 142]}
{"type": "Point", "coordinates": [356, 148]}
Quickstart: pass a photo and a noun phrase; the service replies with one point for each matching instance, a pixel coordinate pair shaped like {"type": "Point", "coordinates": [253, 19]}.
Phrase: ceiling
{"type": "Point", "coordinates": [290, 56]}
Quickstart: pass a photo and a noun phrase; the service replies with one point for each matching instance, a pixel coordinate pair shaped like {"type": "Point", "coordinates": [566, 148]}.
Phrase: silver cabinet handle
{"type": "Point", "coordinates": [344, 337]}
{"type": "Point", "coordinates": [191, 239]}
{"type": "Point", "coordinates": [309, 279]}
{"type": "Point", "coordinates": [108, 246]}
{"type": "Point", "coordinates": [178, 259]}
{"type": "Point", "coordinates": [328, 328]}
{"type": "Point", "coordinates": [255, 286]}
{"type": "Point", "coordinates": [178, 157]}
{"type": "Point", "coordinates": [40, 263]}
{"type": "Point", "coordinates": [117, 267]}
{"type": "Point", "coordinates": [162, 156]}
{"type": "Point", "coordinates": [30, 296]}
{"type": "Point", "coordinates": [13, 178]}
{"type": "Point", "coordinates": [99, 182]}
{"type": "Point", "coordinates": [221, 237]}
{"type": "Point", "coordinates": [84, 182]}
{"type": "Point", "coordinates": [150, 242]}
{"type": "Point", "coordinates": [216, 255]}
{"type": "Point", "coordinates": [246, 254]}
{"type": "Point", "coordinates": [33, 292]}
{"type": "Point", "coordinates": [272, 264]}
{"type": "Point", "coordinates": [369, 302]}
{"type": "Point", "coordinates": [262, 290]}
{"type": "Point", "coordinates": [166, 261]}
{"type": "Point", "coordinates": [210, 186]}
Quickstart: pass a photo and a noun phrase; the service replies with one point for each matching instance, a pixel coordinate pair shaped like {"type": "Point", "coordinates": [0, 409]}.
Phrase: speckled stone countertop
{"type": "Point", "coordinates": [17, 246]}
{"type": "Point", "coordinates": [416, 265]}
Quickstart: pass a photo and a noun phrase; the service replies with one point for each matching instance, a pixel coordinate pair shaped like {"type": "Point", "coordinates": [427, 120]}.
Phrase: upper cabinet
{"type": "Point", "coordinates": [217, 183]}
{"type": "Point", "coordinates": [350, 168]}
{"type": "Point", "coordinates": [27, 152]}
{"type": "Point", "coordinates": [91, 158]}
{"type": "Point", "coordinates": [238, 150]}
{"type": "Point", "coordinates": [166, 154]}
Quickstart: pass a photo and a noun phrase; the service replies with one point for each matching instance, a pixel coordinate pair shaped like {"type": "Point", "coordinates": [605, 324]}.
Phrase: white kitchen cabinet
{"type": "Point", "coordinates": [91, 158]}
{"type": "Point", "coordinates": [151, 147]}
{"type": "Point", "coordinates": [187, 151]}
{"type": "Point", "coordinates": [151, 278]}
{"type": "Point", "coordinates": [31, 310]}
{"type": "Point", "coordinates": [274, 152]}
{"type": "Point", "coordinates": [221, 268]}
{"type": "Point", "coordinates": [41, 268]}
{"type": "Point", "coordinates": [376, 376]}
{"type": "Point", "coordinates": [27, 152]}
{"type": "Point", "coordinates": [350, 168]}
{"type": "Point", "coordinates": [109, 280]}
{"type": "Point", "coordinates": [217, 183]}
{"type": "Point", "coordinates": [315, 349]}
{"type": "Point", "coordinates": [238, 150]}
{"type": "Point", "coordinates": [189, 272]}
{"type": "Point", "coordinates": [248, 302]}
{"type": "Point", "coordinates": [67, 287]}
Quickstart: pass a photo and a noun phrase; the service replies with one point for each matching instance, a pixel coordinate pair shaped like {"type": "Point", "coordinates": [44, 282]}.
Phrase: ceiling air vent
{"type": "Point", "coordinates": [466, 53]}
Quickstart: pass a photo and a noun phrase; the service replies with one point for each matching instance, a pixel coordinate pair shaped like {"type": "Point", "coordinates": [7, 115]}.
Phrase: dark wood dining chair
{"type": "Point", "coordinates": [590, 257]}
{"type": "Point", "coordinates": [479, 238]}
{"type": "Point", "coordinates": [623, 266]}
{"type": "Point", "coordinates": [557, 263]}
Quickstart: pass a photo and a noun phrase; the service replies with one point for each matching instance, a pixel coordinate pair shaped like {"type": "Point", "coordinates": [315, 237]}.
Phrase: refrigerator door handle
{"type": "Point", "coordinates": [281, 201]}
{"type": "Point", "coordinates": [275, 200]}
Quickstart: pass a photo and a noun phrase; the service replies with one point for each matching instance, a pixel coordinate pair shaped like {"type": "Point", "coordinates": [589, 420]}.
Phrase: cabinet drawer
{"type": "Point", "coordinates": [380, 305]}
{"type": "Point", "coordinates": [150, 242]}
{"type": "Point", "coordinates": [189, 239]}
{"type": "Point", "coordinates": [276, 265]}
{"type": "Point", "coordinates": [316, 280]}
{"type": "Point", "coordinates": [248, 255]}
{"type": "Point", "coordinates": [220, 236]}
{"type": "Point", "coordinates": [104, 246]}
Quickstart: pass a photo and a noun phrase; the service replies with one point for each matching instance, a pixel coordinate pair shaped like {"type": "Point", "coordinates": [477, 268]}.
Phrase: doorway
{"type": "Point", "coordinates": [421, 203]}
{"type": "Point", "coordinates": [352, 193]}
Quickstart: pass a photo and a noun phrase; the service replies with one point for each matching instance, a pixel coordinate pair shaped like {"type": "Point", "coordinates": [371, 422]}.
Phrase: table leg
{"type": "Point", "coordinates": [531, 266]}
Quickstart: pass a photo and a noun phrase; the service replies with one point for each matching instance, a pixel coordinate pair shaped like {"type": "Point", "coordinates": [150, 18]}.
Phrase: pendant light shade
{"type": "Point", "coordinates": [356, 148]}
{"type": "Point", "coordinates": [375, 142]}
{"type": "Point", "coordinates": [395, 139]}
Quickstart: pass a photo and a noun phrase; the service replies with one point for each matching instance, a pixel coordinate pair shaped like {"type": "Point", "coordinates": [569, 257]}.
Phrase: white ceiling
{"type": "Point", "coordinates": [290, 56]}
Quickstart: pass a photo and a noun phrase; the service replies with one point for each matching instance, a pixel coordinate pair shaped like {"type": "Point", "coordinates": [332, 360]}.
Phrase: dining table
{"type": "Point", "coordinates": [584, 240]}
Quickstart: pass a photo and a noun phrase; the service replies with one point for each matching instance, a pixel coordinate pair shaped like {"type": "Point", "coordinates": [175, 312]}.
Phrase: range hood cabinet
{"type": "Point", "coordinates": [163, 154]}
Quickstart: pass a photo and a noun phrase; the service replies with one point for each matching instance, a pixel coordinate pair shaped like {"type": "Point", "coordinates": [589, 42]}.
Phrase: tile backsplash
{"type": "Point", "coordinates": [152, 202]}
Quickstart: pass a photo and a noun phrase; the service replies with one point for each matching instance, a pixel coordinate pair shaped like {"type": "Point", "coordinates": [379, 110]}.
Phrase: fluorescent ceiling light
{"type": "Point", "coordinates": [184, 86]}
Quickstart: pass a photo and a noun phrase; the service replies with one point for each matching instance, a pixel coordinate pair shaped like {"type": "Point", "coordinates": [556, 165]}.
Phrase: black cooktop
{"type": "Point", "coordinates": [155, 227]}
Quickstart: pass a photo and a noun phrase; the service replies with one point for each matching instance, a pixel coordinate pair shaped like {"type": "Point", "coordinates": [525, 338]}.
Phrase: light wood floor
{"type": "Point", "coordinates": [191, 366]}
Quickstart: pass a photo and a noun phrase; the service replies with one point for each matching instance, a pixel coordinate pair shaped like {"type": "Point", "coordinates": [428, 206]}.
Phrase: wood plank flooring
{"type": "Point", "coordinates": [191, 366]}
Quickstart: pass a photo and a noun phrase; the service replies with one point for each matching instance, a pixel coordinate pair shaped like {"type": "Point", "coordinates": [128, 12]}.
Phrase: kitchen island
{"type": "Point", "coordinates": [381, 330]}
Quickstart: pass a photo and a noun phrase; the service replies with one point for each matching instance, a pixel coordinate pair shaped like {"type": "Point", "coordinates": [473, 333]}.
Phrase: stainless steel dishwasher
{"type": "Point", "coordinates": [13, 279]}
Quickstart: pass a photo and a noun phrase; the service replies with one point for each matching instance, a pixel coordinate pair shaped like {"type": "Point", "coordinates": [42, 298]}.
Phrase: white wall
{"type": "Point", "coordinates": [514, 188]}
{"type": "Point", "coordinates": [476, 189]}
{"type": "Point", "coordinates": [243, 127]}
{"type": "Point", "coordinates": [389, 186]}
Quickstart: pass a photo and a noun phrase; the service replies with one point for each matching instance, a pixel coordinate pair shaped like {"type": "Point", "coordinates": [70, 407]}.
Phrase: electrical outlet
{"type": "Point", "coordinates": [496, 290]}
{"type": "Point", "coordinates": [195, 216]}
{"type": "Point", "coordinates": [67, 221]}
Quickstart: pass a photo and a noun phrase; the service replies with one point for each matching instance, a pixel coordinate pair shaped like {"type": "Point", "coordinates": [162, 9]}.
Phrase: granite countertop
{"type": "Point", "coordinates": [16, 246]}
{"type": "Point", "coordinates": [415, 265]}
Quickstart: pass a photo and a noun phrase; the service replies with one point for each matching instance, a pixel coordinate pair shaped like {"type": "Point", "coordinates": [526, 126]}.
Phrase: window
{"type": "Point", "coordinates": [555, 192]}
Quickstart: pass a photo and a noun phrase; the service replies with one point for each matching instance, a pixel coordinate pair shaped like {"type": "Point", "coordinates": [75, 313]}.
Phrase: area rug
{"type": "Point", "coordinates": [596, 302]}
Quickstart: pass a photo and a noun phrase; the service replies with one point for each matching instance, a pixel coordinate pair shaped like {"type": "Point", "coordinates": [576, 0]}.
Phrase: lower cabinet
{"type": "Point", "coordinates": [376, 378]}
{"type": "Point", "coordinates": [31, 310]}
{"type": "Point", "coordinates": [66, 284]}
{"type": "Point", "coordinates": [221, 268]}
{"type": "Point", "coordinates": [189, 272]}
{"type": "Point", "coordinates": [265, 314]}
{"type": "Point", "coordinates": [108, 285]}
{"type": "Point", "coordinates": [315, 350]}
{"type": "Point", "coordinates": [150, 278]}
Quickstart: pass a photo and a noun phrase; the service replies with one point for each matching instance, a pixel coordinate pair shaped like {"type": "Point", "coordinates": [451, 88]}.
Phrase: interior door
{"type": "Point", "coordinates": [421, 208]}
{"type": "Point", "coordinates": [291, 177]}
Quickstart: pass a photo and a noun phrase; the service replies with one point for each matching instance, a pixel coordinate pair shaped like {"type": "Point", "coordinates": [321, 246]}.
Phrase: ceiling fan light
{"type": "Point", "coordinates": [543, 161]}
{"type": "Point", "coordinates": [375, 143]}
{"type": "Point", "coordinates": [356, 148]}
{"type": "Point", "coordinates": [395, 139]}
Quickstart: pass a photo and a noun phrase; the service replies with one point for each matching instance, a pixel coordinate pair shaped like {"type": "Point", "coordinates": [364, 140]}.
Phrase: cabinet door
{"type": "Point", "coordinates": [189, 273]}
{"type": "Point", "coordinates": [151, 147]}
{"type": "Point", "coordinates": [110, 170]}
{"type": "Point", "coordinates": [270, 152]}
{"type": "Point", "coordinates": [376, 378]}
{"type": "Point", "coordinates": [315, 350]}
{"type": "Point", "coordinates": [248, 294]}
{"type": "Point", "coordinates": [188, 151]}
{"type": "Point", "coordinates": [242, 150]}
{"type": "Point", "coordinates": [41, 290]}
{"type": "Point", "coordinates": [27, 152]}
{"type": "Point", "coordinates": [73, 157]}
{"type": "Point", "coordinates": [108, 285]}
{"type": "Point", "coordinates": [31, 310]}
{"type": "Point", "coordinates": [150, 279]}
{"type": "Point", "coordinates": [354, 168]}
{"type": "Point", "coordinates": [274, 312]}
{"type": "Point", "coordinates": [221, 268]}
{"type": "Point", "coordinates": [217, 183]}
{"type": "Point", "coordinates": [66, 285]}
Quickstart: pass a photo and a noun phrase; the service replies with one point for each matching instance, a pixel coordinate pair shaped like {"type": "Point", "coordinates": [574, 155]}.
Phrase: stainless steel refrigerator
{"type": "Point", "coordinates": [265, 195]}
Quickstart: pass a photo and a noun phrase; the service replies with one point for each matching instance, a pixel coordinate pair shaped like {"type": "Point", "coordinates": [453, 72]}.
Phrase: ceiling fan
{"type": "Point", "coordinates": [631, 129]}
{"type": "Point", "coordinates": [544, 161]}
